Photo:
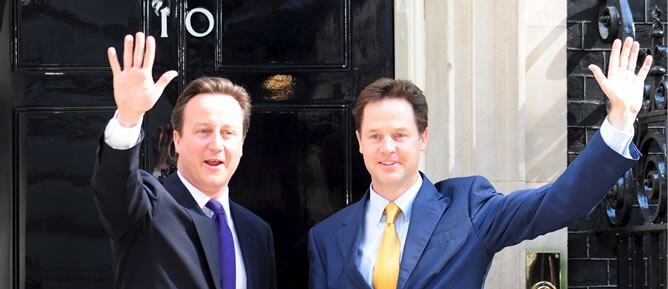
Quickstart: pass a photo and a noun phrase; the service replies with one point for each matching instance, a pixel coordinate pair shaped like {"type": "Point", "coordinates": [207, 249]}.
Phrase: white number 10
{"type": "Point", "coordinates": [163, 22]}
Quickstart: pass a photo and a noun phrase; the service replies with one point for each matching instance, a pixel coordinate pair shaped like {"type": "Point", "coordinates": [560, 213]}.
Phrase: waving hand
{"type": "Point", "coordinates": [135, 92]}
{"type": "Point", "coordinates": [622, 86]}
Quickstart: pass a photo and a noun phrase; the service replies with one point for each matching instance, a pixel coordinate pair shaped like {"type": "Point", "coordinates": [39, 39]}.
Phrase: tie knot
{"type": "Point", "coordinates": [216, 207]}
{"type": "Point", "coordinates": [391, 212]}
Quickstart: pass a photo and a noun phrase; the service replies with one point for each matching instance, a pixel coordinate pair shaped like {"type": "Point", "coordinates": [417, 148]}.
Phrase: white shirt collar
{"type": "Point", "coordinates": [202, 198]}
{"type": "Point", "coordinates": [377, 203]}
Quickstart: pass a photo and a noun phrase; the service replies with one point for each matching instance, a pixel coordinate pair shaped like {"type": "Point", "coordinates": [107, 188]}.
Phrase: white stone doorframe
{"type": "Point", "coordinates": [494, 73]}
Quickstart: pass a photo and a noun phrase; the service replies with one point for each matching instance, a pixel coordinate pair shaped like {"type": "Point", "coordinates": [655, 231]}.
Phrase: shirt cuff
{"type": "Point", "coordinates": [119, 137]}
{"type": "Point", "coordinates": [617, 140]}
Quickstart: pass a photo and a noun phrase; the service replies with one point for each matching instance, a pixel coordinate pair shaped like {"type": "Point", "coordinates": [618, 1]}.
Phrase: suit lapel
{"type": "Point", "coordinates": [349, 237]}
{"type": "Point", "coordinates": [246, 240]}
{"type": "Point", "coordinates": [206, 228]}
{"type": "Point", "coordinates": [428, 207]}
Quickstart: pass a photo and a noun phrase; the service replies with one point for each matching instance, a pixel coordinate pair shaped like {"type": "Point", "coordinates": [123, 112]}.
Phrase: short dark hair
{"type": "Point", "coordinates": [386, 88]}
{"type": "Point", "coordinates": [211, 85]}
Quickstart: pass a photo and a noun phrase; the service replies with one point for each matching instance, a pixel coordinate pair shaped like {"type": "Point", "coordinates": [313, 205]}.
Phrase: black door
{"type": "Point", "coordinates": [303, 62]}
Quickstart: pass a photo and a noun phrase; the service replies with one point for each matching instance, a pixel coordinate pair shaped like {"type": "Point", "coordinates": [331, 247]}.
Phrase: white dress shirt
{"type": "Point", "coordinates": [374, 215]}
{"type": "Point", "coordinates": [122, 138]}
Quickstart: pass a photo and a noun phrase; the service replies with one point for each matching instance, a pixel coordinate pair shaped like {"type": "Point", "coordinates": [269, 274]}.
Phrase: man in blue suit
{"type": "Point", "coordinates": [184, 232]}
{"type": "Point", "coordinates": [407, 232]}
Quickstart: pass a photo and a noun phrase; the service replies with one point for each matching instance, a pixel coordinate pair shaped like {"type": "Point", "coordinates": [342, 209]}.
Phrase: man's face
{"type": "Point", "coordinates": [210, 144]}
{"type": "Point", "coordinates": [391, 144]}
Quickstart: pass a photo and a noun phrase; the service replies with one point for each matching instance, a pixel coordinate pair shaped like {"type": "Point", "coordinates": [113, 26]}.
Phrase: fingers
{"type": "Point", "coordinates": [613, 65]}
{"type": "Point", "coordinates": [113, 61]}
{"type": "Point", "coordinates": [127, 51]}
{"type": "Point", "coordinates": [644, 70]}
{"type": "Point", "coordinates": [149, 55]}
{"type": "Point", "coordinates": [166, 78]}
{"type": "Point", "coordinates": [139, 50]}
{"type": "Point", "coordinates": [633, 58]}
{"type": "Point", "coordinates": [626, 51]}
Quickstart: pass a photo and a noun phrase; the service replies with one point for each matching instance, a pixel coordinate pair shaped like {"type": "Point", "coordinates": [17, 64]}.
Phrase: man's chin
{"type": "Point", "coordinates": [215, 184]}
{"type": "Point", "coordinates": [389, 180]}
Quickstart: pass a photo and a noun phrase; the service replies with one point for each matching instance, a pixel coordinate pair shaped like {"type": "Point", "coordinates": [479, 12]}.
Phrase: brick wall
{"type": "Point", "coordinates": [592, 252]}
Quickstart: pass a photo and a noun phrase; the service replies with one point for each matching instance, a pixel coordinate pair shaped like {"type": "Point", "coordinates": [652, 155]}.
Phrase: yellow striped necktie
{"type": "Point", "coordinates": [386, 269]}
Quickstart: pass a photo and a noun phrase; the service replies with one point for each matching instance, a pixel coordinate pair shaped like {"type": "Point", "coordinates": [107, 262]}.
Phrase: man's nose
{"type": "Point", "coordinates": [388, 145]}
{"type": "Point", "coordinates": [217, 143]}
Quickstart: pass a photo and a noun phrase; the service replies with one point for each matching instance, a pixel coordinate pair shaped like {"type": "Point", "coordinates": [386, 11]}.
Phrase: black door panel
{"type": "Point", "coordinates": [303, 33]}
{"type": "Point", "coordinates": [65, 245]}
{"type": "Point", "coordinates": [64, 89]}
{"type": "Point", "coordinates": [71, 33]}
{"type": "Point", "coordinates": [290, 178]}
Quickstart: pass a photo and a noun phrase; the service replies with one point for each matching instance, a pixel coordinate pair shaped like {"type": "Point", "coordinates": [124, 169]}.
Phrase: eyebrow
{"type": "Point", "coordinates": [201, 124]}
{"type": "Point", "coordinates": [204, 123]}
{"type": "Point", "coordinates": [402, 129]}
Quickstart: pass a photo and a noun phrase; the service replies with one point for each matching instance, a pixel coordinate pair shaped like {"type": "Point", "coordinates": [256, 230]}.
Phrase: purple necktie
{"type": "Point", "coordinates": [226, 245]}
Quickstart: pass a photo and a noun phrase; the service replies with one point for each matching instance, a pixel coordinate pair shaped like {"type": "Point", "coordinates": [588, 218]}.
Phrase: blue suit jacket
{"type": "Point", "coordinates": [457, 225]}
{"type": "Point", "coordinates": [161, 238]}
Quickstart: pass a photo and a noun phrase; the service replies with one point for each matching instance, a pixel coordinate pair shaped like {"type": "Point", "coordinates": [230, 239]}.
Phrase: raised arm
{"type": "Point", "coordinates": [125, 195]}
{"type": "Point", "coordinates": [505, 220]}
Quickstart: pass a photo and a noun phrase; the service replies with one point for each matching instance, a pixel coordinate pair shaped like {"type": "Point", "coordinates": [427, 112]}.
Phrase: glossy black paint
{"type": "Point", "coordinates": [64, 241]}
{"type": "Point", "coordinates": [303, 62]}
{"type": "Point", "coordinates": [64, 89]}
{"type": "Point", "coordinates": [306, 32]}
{"type": "Point", "coordinates": [297, 87]}
{"type": "Point", "coordinates": [70, 33]}
{"type": "Point", "coordinates": [293, 178]}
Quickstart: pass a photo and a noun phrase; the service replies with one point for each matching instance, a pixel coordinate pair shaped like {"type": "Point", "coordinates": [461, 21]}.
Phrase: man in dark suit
{"type": "Point", "coordinates": [185, 232]}
{"type": "Point", "coordinates": [407, 232]}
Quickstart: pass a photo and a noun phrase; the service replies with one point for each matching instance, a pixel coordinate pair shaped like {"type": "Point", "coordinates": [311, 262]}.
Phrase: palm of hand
{"type": "Point", "coordinates": [135, 88]}
{"type": "Point", "coordinates": [626, 89]}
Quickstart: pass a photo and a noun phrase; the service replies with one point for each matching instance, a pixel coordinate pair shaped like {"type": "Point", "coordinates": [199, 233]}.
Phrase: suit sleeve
{"type": "Point", "coordinates": [125, 202]}
{"type": "Point", "coordinates": [505, 220]}
{"type": "Point", "coordinates": [272, 259]}
{"type": "Point", "coordinates": [317, 277]}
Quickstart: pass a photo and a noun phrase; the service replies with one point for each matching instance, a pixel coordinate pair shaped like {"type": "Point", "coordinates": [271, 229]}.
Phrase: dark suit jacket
{"type": "Point", "coordinates": [457, 225]}
{"type": "Point", "coordinates": [161, 238]}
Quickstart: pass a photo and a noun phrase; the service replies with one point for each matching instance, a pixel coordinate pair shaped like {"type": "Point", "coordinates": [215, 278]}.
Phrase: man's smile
{"type": "Point", "coordinates": [214, 162]}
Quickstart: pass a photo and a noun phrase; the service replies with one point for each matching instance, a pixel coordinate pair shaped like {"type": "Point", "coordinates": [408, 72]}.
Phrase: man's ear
{"type": "Point", "coordinates": [359, 140]}
{"type": "Point", "coordinates": [424, 139]}
{"type": "Point", "coordinates": [243, 139]}
{"type": "Point", "coordinates": [177, 141]}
